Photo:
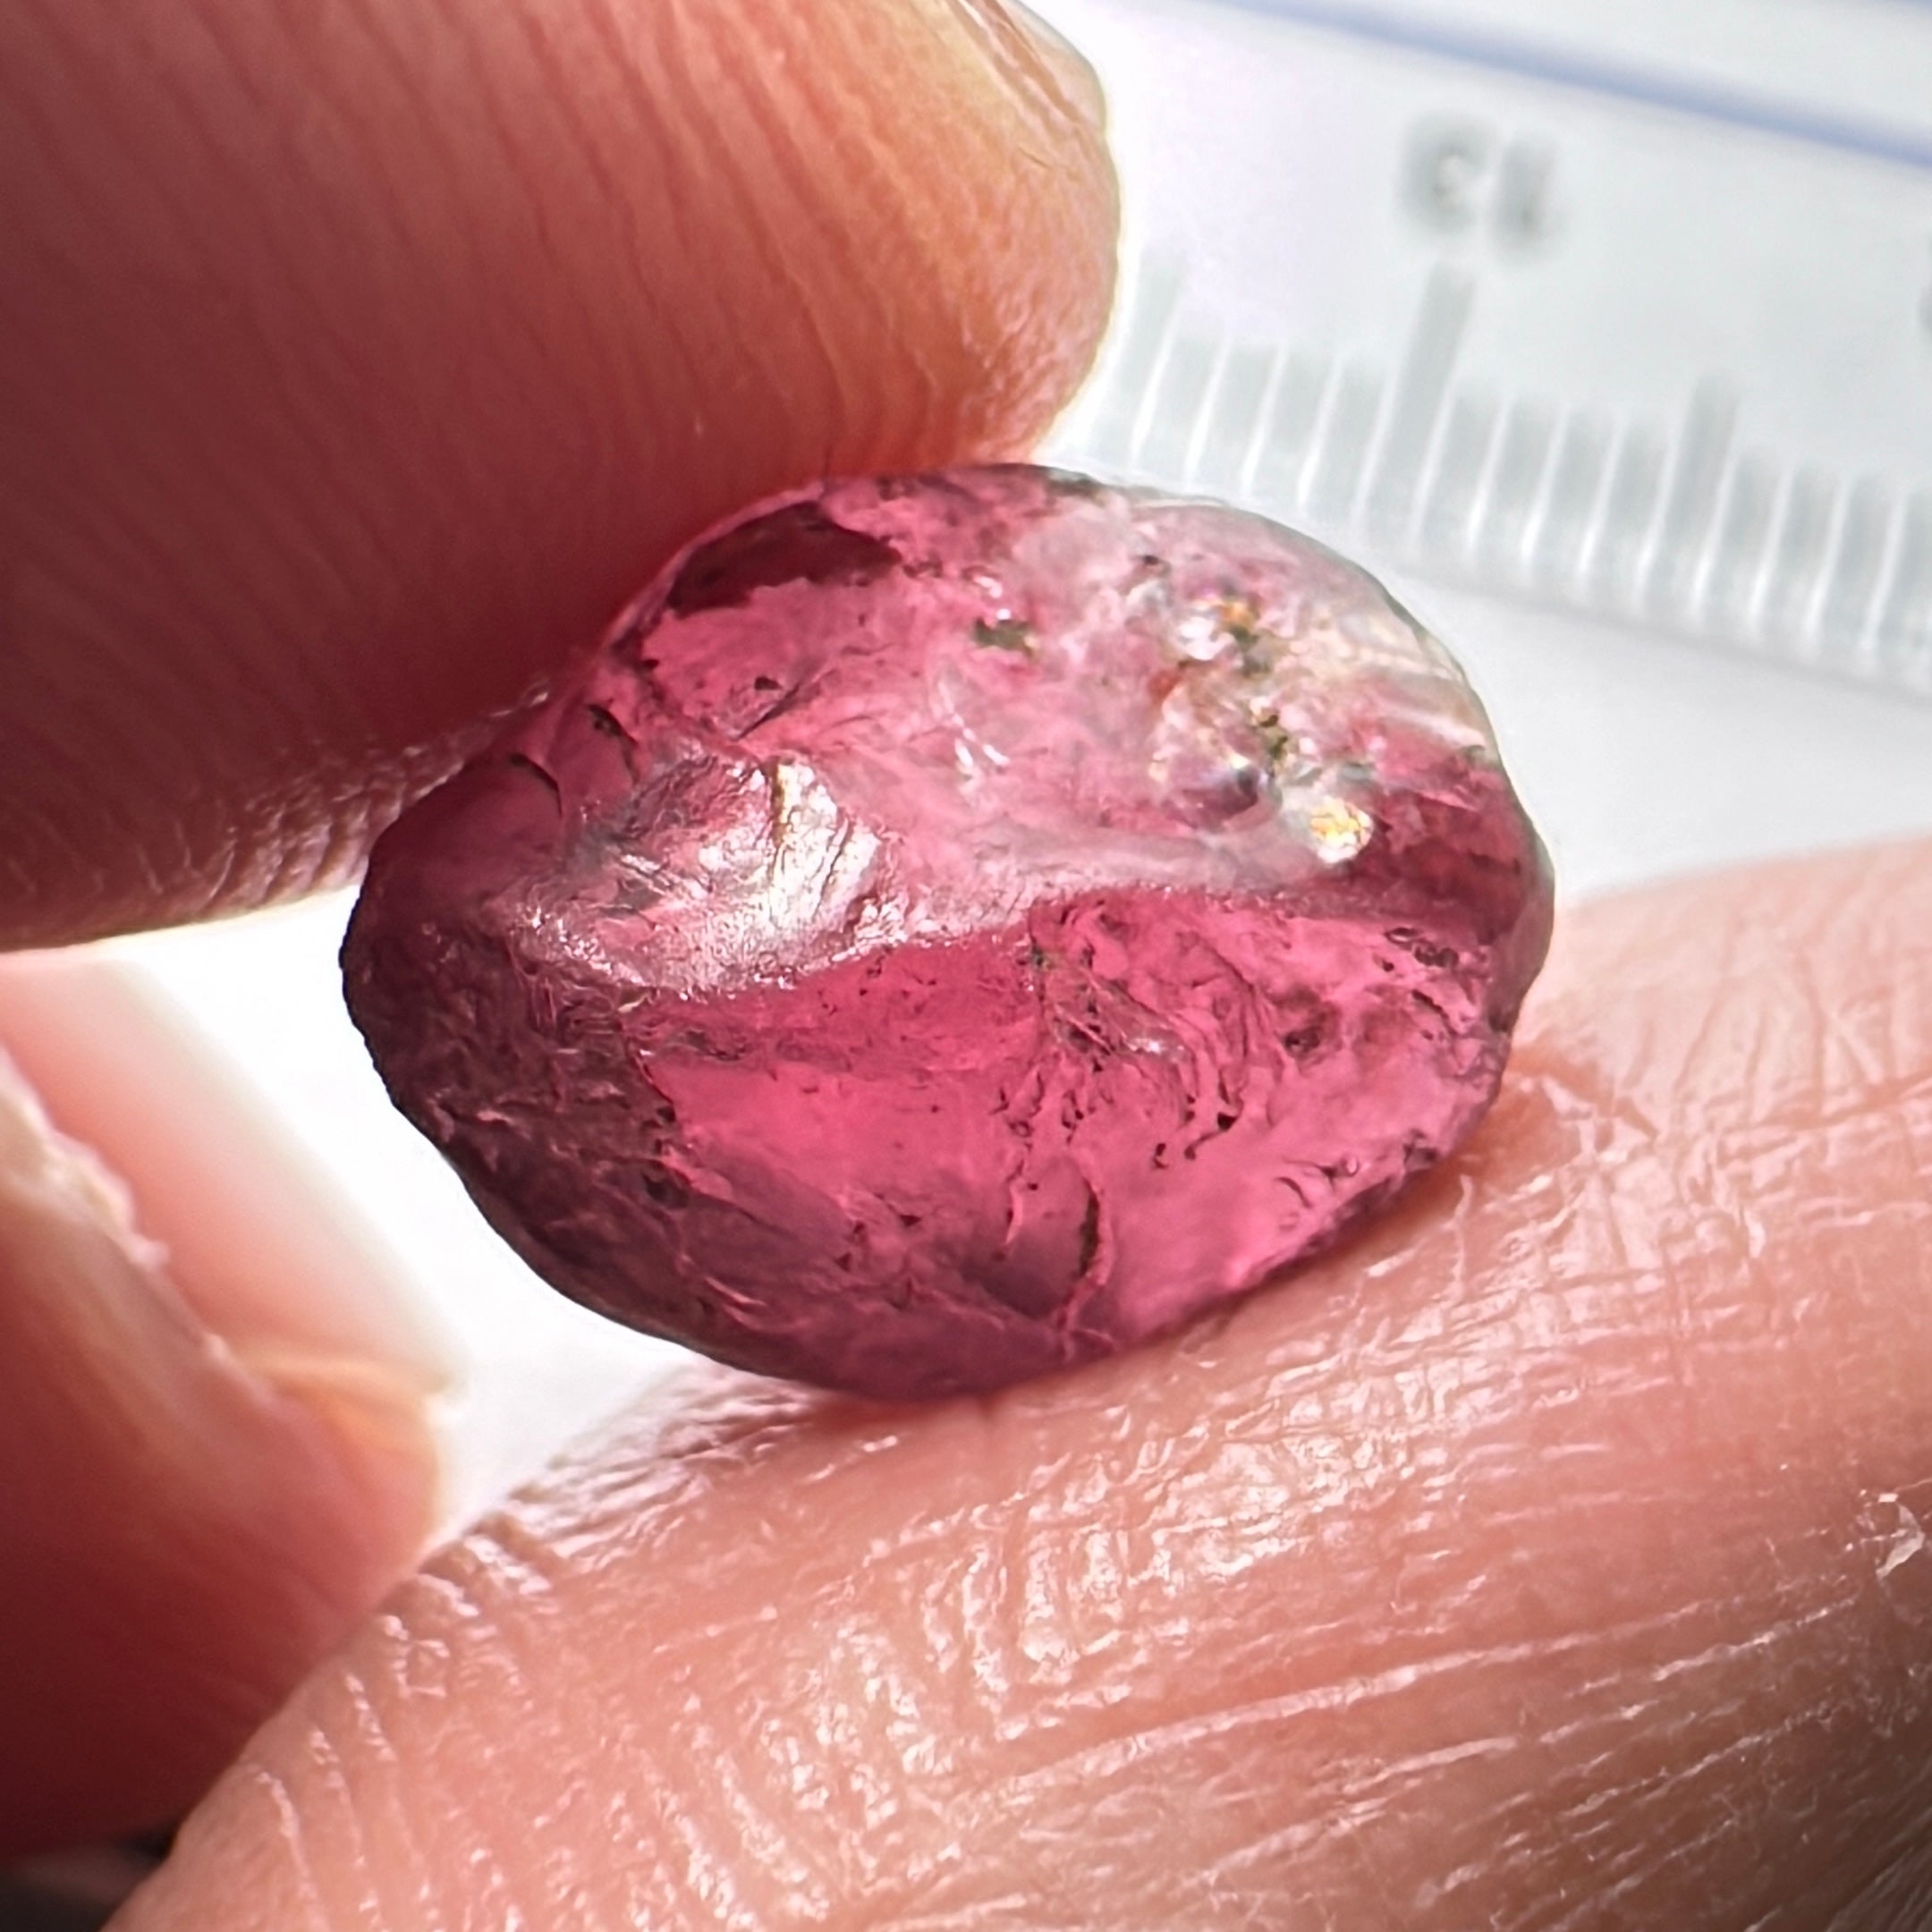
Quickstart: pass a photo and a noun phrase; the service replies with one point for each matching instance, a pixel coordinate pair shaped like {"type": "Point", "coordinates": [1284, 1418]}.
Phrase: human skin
{"type": "Point", "coordinates": [1548, 1558]}
{"type": "Point", "coordinates": [1545, 1558]}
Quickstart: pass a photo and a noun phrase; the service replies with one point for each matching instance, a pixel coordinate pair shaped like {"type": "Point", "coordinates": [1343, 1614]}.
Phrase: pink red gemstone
{"type": "Point", "coordinates": [957, 926]}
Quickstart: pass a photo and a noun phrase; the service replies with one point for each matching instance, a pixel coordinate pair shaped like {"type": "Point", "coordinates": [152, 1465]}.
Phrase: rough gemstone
{"type": "Point", "coordinates": [956, 926]}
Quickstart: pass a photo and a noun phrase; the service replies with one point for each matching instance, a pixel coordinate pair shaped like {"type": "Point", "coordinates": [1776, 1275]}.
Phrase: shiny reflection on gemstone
{"type": "Point", "coordinates": [1340, 830]}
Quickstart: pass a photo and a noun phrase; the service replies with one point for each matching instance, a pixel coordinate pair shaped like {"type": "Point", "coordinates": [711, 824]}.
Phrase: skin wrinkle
{"type": "Point", "coordinates": [452, 1834]}
{"type": "Point", "coordinates": [551, 1831]}
{"type": "Point", "coordinates": [780, 136]}
{"type": "Point", "coordinates": [237, 179]}
{"type": "Point", "coordinates": [402, 1857]}
{"type": "Point", "coordinates": [151, 753]}
{"type": "Point", "coordinates": [63, 513]}
{"type": "Point", "coordinates": [769, 202]}
{"type": "Point", "coordinates": [51, 832]}
{"type": "Point", "coordinates": [467, 34]}
{"type": "Point", "coordinates": [289, 1835]}
{"type": "Point", "coordinates": [318, 689]}
{"type": "Point", "coordinates": [854, 121]}
{"type": "Point", "coordinates": [394, 1859]}
{"type": "Point", "coordinates": [453, 471]}
{"type": "Point", "coordinates": [682, 1854]}
{"type": "Point", "coordinates": [354, 36]}
{"type": "Point", "coordinates": [622, 59]}
{"type": "Point", "coordinates": [323, 1830]}
{"type": "Point", "coordinates": [1794, 1912]}
{"type": "Point", "coordinates": [456, 215]}
{"type": "Point", "coordinates": [88, 624]}
{"type": "Point", "coordinates": [666, 317]}
{"type": "Point", "coordinates": [133, 196]}
{"type": "Point", "coordinates": [1036, 144]}
{"type": "Point", "coordinates": [570, 1790]}
{"type": "Point", "coordinates": [1898, 1899]}
{"type": "Point", "coordinates": [871, 144]}
{"type": "Point", "coordinates": [760, 1832]}
{"type": "Point", "coordinates": [859, 124]}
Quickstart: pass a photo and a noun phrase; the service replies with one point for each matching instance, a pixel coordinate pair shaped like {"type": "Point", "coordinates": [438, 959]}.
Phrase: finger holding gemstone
{"type": "Point", "coordinates": [958, 927]}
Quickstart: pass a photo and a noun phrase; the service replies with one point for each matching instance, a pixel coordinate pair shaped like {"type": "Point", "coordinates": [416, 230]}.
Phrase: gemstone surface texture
{"type": "Point", "coordinates": [957, 926]}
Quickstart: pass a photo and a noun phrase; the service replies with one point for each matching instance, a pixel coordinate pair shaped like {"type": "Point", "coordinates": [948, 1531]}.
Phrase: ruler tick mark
{"type": "Point", "coordinates": [1683, 537]}
{"type": "Point", "coordinates": [1415, 413]}
{"type": "Point", "coordinates": [1127, 393]}
{"type": "Point", "coordinates": [1503, 536]}
{"type": "Point", "coordinates": [1731, 585]}
{"type": "Point", "coordinates": [1234, 420]}
{"type": "Point", "coordinates": [1620, 539]}
{"type": "Point", "coordinates": [1854, 573]}
{"type": "Point", "coordinates": [1804, 532]}
{"type": "Point", "coordinates": [1905, 625]}
{"type": "Point", "coordinates": [1576, 481]}
{"type": "Point", "coordinates": [1291, 420]}
{"type": "Point", "coordinates": [1181, 398]}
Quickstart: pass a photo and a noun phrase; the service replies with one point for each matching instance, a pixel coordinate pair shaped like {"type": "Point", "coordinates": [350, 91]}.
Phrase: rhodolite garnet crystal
{"type": "Point", "coordinates": [956, 926]}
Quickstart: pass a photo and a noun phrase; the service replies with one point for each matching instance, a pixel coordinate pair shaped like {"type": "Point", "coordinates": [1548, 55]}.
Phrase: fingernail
{"type": "Point", "coordinates": [72, 1227]}
{"type": "Point", "coordinates": [262, 1249]}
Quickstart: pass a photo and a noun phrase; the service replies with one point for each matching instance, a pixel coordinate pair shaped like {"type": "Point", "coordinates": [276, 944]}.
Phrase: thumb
{"type": "Point", "coordinates": [362, 356]}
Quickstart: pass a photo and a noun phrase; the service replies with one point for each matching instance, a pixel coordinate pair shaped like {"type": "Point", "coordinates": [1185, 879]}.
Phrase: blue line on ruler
{"type": "Point", "coordinates": [1705, 101]}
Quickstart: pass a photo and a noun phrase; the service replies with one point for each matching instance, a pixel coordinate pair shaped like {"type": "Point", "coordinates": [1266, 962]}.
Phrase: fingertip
{"type": "Point", "coordinates": [1562, 1538]}
{"type": "Point", "coordinates": [455, 322]}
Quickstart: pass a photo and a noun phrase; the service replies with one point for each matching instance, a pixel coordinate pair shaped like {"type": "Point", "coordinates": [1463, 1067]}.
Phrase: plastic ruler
{"type": "Point", "coordinates": [1621, 306]}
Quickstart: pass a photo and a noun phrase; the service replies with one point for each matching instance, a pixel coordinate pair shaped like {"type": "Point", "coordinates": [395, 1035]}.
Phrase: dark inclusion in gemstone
{"type": "Point", "coordinates": [958, 927]}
